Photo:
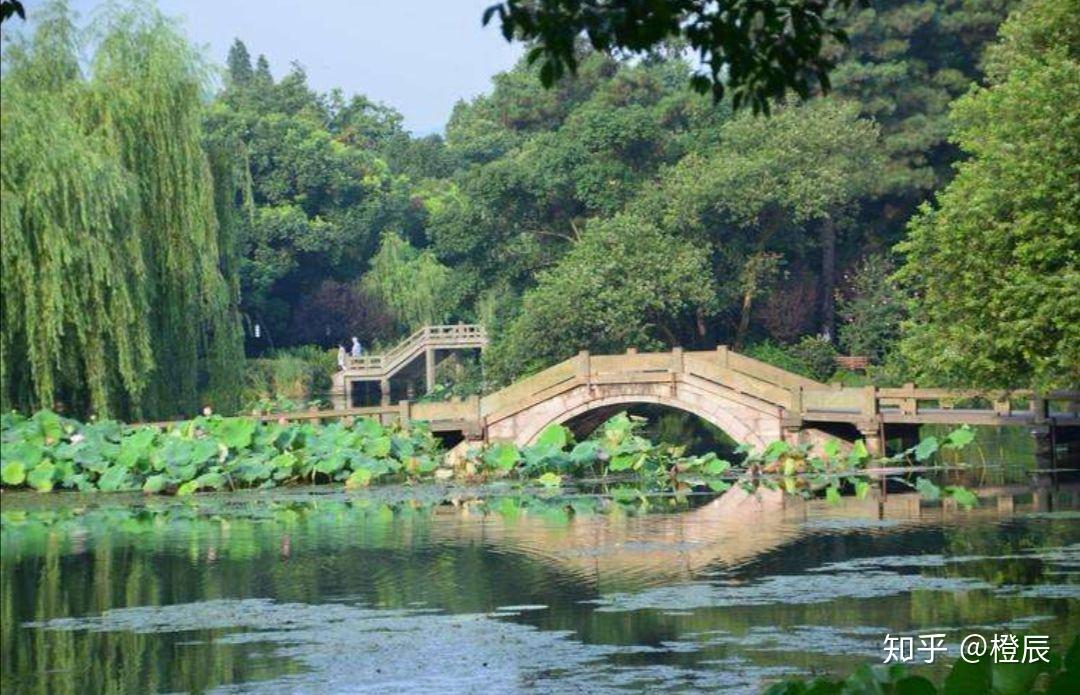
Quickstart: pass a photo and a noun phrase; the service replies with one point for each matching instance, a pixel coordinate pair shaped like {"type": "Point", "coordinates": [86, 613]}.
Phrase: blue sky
{"type": "Point", "coordinates": [419, 56]}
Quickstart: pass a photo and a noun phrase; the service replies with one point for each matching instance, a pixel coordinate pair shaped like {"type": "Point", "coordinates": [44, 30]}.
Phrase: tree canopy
{"type": "Point", "coordinates": [614, 207]}
{"type": "Point", "coordinates": [113, 282]}
{"type": "Point", "coordinates": [753, 50]}
{"type": "Point", "coordinates": [993, 267]}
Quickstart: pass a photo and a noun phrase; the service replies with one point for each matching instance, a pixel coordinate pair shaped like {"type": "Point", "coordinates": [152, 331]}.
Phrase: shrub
{"type": "Point", "coordinates": [811, 357]}
{"type": "Point", "coordinates": [777, 356]}
{"type": "Point", "coordinates": [870, 309]}
{"type": "Point", "coordinates": [818, 354]}
{"type": "Point", "coordinates": [288, 379]}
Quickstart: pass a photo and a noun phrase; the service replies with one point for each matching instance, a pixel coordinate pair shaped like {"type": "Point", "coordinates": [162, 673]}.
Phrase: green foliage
{"type": "Point", "coordinates": [112, 262]}
{"type": "Point", "coordinates": [778, 356]}
{"type": "Point", "coordinates": [870, 309]}
{"type": "Point", "coordinates": [771, 190]}
{"type": "Point", "coordinates": [905, 62]}
{"type": "Point", "coordinates": [811, 357]}
{"type": "Point", "coordinates": [288, 379]}
{"type": "Point", "coordinates": [412, 284]}
{"type": "Point", "coordinates": [624, 284]}
{"type": "Point", "coordinates": [736, 60]}
{"type": "Point", "coordinates": [612, 210]}
{"type": "Point", "coordinates": [817, 354]}
{"type": "Point", "coordinates": [210, 452]}
{"type": "Point", "coordinates": [10, 8]}
{"type": "Point", "coordinates": [993, 266]}
{"type": "Point", "coordinates": [310, 193]}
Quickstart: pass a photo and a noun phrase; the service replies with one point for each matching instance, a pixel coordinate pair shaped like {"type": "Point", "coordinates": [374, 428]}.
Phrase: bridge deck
{"type": "Point", "coordinates": [797, 402]}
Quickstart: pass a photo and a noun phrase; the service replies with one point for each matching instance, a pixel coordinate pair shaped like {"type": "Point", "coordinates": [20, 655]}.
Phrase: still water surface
{"type": "Point", "coordinates": [494, 590]}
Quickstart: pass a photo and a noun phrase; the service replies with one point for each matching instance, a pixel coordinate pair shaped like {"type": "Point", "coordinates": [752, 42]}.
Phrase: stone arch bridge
{"type": "Point", "coordinates": [753, 402]}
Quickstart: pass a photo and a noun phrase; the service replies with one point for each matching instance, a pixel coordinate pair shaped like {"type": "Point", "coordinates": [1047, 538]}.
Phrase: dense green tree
{"type": "Point", "coordinates": [412, 284]}
{"type": "Point", "coordinates": [769, 188]}
{"type": "Point", "coordinates": [548, 213]}
{"type": "Point", "coordinates": [994, 267]}
{"type": "Point", "coordinates": [315, 190]}
{"type": "Point", "coordinates": [905, 62]}
{"type": "Point", "coordinates": [623, 284]}
{"type": "Point", "coordinates": [115, 299]}
{"type": "Point", "coordinates": [238, 64]}
{"type": "Point", "coordinates": [871, 308]}
{"type": "Point", "coordinates": [539, 163]}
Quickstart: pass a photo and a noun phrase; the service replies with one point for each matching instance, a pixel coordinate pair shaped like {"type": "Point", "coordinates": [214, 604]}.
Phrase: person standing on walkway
{"type": "Point", "coordinates": [357, 349]}
{"type": "Point", "coordinates": [342, 358]}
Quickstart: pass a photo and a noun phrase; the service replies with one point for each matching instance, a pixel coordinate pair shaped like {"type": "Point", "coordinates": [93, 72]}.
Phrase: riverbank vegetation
{"type": "Point", "coordinates": [46, 452]}
{"type": "Point", "coordinates": [918, 215]}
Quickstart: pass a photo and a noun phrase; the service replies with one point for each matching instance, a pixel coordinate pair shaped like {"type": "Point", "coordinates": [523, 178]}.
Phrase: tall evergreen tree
{"type": "Point", "coordinates": [239, 64]}
{"type": "Point", "coordinates": [905, 62]}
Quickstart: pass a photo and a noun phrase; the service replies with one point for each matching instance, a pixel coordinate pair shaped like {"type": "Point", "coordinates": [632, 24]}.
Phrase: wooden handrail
{"type": "Point", "coordinates": [386, 362]}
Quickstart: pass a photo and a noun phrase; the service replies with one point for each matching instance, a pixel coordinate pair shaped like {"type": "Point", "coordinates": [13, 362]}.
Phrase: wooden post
{"type": "Point", "coordinates": [796, 400]}
{"type": "Point", "coordinates": [722, 355]}
{"type": "Point", "coordinates": [631, 351]}
{"type": "Point", "coordinates": [429, 369]}
{"type": "Point", "coordinates": [869, 406]}
{"type": "Point", "coordinates": [910, 404]}
{"type": "Point", "coordinates": [384, 391]}
{"type": "Point", "coordinates": [404, 412]}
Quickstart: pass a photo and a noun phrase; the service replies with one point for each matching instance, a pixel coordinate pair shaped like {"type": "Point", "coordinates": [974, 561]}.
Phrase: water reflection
{"type": "Point", "coordinates": [491, 589]}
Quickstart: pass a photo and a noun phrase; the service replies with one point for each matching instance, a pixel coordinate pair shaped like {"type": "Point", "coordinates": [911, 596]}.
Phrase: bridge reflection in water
{"type": "Point", "coordinates": [318, 590]}
{"type": "Point", "coordinates": [617, 551]}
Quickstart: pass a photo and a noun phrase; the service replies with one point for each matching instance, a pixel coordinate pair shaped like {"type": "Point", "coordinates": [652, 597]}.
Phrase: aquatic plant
{"type": "Point", "coordinates": [618, 450]}
{"type": "Point", "coordinates": [46, 452]}
{"type": "Point", "coordinates": [210, 452]}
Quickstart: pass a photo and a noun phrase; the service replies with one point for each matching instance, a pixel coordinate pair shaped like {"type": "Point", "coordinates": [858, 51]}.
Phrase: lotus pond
{"type": "Point", "coordinates": [503, 588]}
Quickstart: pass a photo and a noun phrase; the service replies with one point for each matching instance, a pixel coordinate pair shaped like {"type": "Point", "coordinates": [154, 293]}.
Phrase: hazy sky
{"type": "Point", "coordinates": [419, 56]}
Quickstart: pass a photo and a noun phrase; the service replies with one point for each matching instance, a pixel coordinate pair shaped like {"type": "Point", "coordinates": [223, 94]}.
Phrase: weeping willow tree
{"type": "Point", "coordinates": [117, 290]}
{"type": "Point", "coordinates": [416, 288]}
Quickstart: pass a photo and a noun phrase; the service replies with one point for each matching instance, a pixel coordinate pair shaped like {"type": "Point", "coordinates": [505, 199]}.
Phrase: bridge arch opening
{"type": "Point", "coordinates": [723, 427]}
{"type": "Point", "coordinates": [663, 424]}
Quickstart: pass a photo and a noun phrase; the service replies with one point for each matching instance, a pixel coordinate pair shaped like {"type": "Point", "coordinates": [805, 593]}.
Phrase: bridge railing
{"type": "Point", "coordinates": [743, 375]}
{"type": "Point", "coordinates": [763, 371]}
{"type": "Point", "coordinates": [910, 403]}
{"type": "Point", "coordinates": [748, 380]}
{"type": "Point", "coordinates": [526, 391]}
{"type": "Point", "coordinates": [447, 335]}
{"type": "Point", "coordinates": [630, 363]}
